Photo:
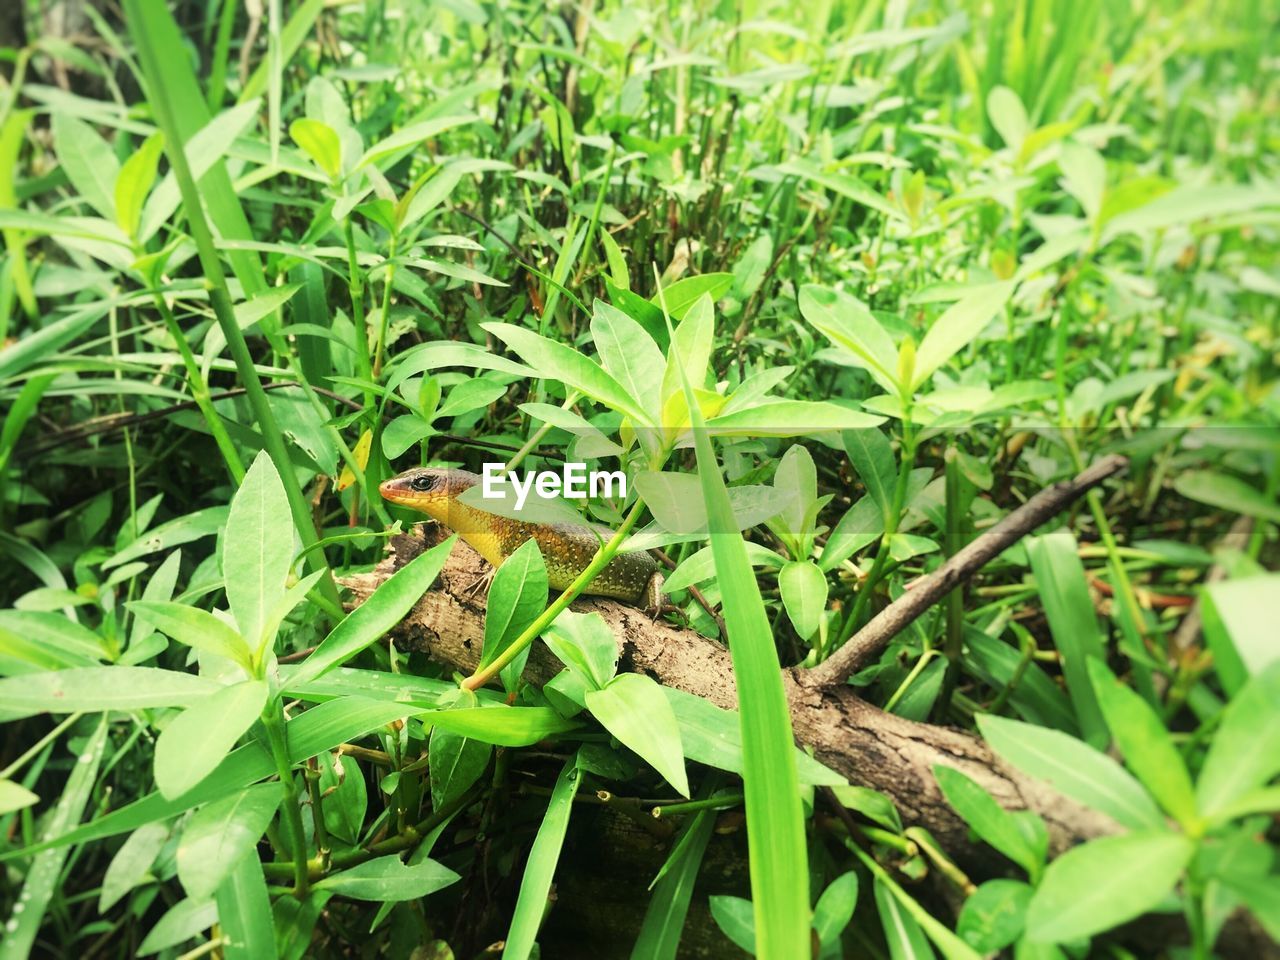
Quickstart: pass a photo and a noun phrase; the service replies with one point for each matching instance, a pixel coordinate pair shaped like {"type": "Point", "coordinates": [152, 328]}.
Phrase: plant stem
{"type": "Point", "coordinates": [601, 560]}
{"type": "Point", "coordinates": [219, 295]}
{"type": "Point", "coordinates": [277, 739]}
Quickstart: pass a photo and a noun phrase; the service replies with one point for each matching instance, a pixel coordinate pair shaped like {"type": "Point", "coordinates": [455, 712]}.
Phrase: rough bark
{"type": "Point", "coordinates": [854, 738]}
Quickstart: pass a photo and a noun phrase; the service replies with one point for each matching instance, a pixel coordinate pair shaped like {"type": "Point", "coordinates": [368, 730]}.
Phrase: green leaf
{"type": "Point", "coordinates": [134, 183]}
{"type": "Point", "coordinates": [673, 888]}
{"type": "Point", "coordinates": [14, 796]}
{"type": "Point", "coordinates": [220, 833]}
{"type": "Point", "coordinates": [320, 142]}
{"type": "Point", "coordinates": [557, 362]}
{"type": "Point", "coordinates": [804, 594]}
{"type": "Point", "coordinates": [633, 708]}
{"type": "Point", "coordinates": [535, 885]}
{"type": "Point", "coordinates": [346, 798]}
{"type": "Point", "coordinates": [735, 916]}
{"type": "Point", "coordinates": [1106, 882]}
{"type": "Point", "coordinates": [257, 548]}
{"type": "Point", "coordinates": [989, 820]}
{"type": "Point", "coordinates": [1008, 116]}
{"type": "Point", "coordinates": [383, 610]}
{"type": "Point", "coordinates": [749, 271]}
{"type": "Point", "coordinates": [501, 725]}
{"type": "Point", "coordinates": [1060, 579]}
{"type": "Point", "coordinates": [456, 762]}
{"type": "Point", "coordinates": [683, 294]}
{"type": "Point", "coordinates": [89, 162]}
{"type": "Point", "coordinates": [199, 739]}
{"type": "Point", "coordinates": [1245, 752]}
{"type": "Point", "coordinates": [872, 457]}
{"type": "Point", "coordinates": [775, 818]}
{"type": "Point", "coordinates": [901, 932]}
{"type": "Point", "coordinates": [1239, 623]}
{"type": "Point", "coordinates": [132, 863]}
{"type": "Point", "coordinates": [244, 913]}
{"type": "Point", "coordinates": [389, 879]}
{"type": "Point", "coordinates": [834, 909]}
{"type": "Point", "coordinates": [517, 597]}
{"type": "Point", "coordinates": [1228, 493]}
{"type": "Point", "coordinates": [958, 326]}
{"type": "Point", "coordinates": [1145, 744]}
{"type": "Point", "coordinates": [181, 923]}
{"type": "Point", "coordinates": [100, 688]}
{"type": "Point", "coordinates": [195, 627]}
{"type": "Point", "coordinates": [847, 323]}
{"type": "Point", "coordinates": [193, 526]}
{"type": "Point", "coordinates": [790, 418]}
{"type": "Point", "coordinates": [630, 356]}
{"type": "Point", "coordinates": [994, 915]}
{"type": "Point", "coordinates": [44, 877]}
{"type": "Point", "coordinates": [411, 136]}
{"type": "Point", "coordinates": [1074, 768]}
{"type": "Point", "coordinates": [584, 643]}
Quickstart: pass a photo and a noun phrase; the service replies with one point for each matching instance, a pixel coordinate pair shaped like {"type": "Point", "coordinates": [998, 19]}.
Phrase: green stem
{"type": "Point", "coordinates": [277, 739]}
{"type": "Point", "coordinates": [219, 295]}
{"type": "Point", "coordinates": [200, 393]}
{"type": "Point", "coordinates": [598, 562]}
{"type": "Point", "coordinates": [381, 346]}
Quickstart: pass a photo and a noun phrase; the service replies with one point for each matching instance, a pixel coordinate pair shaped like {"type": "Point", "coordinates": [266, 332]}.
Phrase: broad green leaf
{"type": "Point", "coordinates": [735, 916]}
{"type": "Point", "coordinates": [193, 526]}
{"type": "Point", "coordinates": [558, 362]}
{"type": "Point", "coordinates": [134, 183]}
{"type": "Point", "coordinates": [683, 294]}
{"type": "Point", "coordinates": [991, 822]}
{"type": "Point", "coordinates": [630, 356]}
{"type": "Point", "coordinates": [517, 597]}
{"type": "Point", "coordinates": [1245, 752]}
{"type": "Point", "coordinates": [346, 798]}
{"type": "Point", "coordinates": [132, 863]}
{"type": "Point", "coordinates": [843, 184]}
{"type": "Point", "coordinates": [804, 594]}
{"type": "Point", "coordinates": [1103, 883]}
{"type": "Point", "coordinates": [750, 270]}
{"type": "Point", "coordinates": [220, 833]}
{"type": "Point", "coordinates": [789, 418]}
{"type": "Point", "coordinates": [456, 762]}
{"type": "Point", "coordinates": [377, 615]}
{"type": "Point", "coordinates": [1239, 623]}
{"type": "Point", "coordinates": [14, 796]}
{"type": "Point", "coordinates": [1009, 117]}
{"type": "Point", "coordinates": [180, 923]}
{"type": "Point", "coordinates": [994, 915]}
{"type": "Point", "coordinates": [320, 142]}
{"type": "Point", "coordinates": [1145, 744]}
{"type": "Point", "coordinates": [633, 708]}
{"type": "Point", "coordinates": [958, 326]}
{"type": "Point", "coordinates": [1074, 768]}
{"type": "Point", "coordinates": [1227, 492]}
{"type": "Point", "coordinates": [1084, 175]}
{"type": "Point", "coordinates": [244, 913]}
{"type": "Point", "coordinates": [585, 644]}
{"type": "Point", "coordinates": [502, 725]}
{"type": "Point", "coordinates": [847, 323]}
{"type": "Point", "coordinates": [535, 884]}
{"type": "Point", "coordinates": [389, 879]}
{"type": "Point", "coordinates": [101, 688]}
{"type": "Point", "coordinates": [199, 738]}
{"type": "Point", "coordinates": [257, 548]}
{"type": "Point", "coordinates": [89, 162]}
{"type": "Point", "coordinates": [872, 457]}
{"type": "Point", "coordinates": [411, 136]}
{"type": "Point", "coordinates": [834, 909]}
{"type": "Point", "coordinates": [195, 627]}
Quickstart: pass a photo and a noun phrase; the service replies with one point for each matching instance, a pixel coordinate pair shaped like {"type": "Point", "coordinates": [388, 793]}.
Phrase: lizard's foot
{"type": "Point", "coordinates": [479, 586]}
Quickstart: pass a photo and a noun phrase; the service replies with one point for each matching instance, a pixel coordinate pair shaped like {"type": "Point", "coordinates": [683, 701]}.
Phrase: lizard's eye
{"type": "Point", "coordinates": [422, 483]}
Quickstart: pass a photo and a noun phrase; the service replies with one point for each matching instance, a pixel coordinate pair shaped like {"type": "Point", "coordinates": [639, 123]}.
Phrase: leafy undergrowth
{"type": "Point", "coordinates": [836, 289]}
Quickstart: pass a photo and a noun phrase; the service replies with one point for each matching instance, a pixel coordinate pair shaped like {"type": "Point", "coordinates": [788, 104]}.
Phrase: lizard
{"type": "Point", "coordinates": [567, 548]}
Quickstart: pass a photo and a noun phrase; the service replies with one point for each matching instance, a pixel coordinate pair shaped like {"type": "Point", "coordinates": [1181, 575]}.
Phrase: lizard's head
{"type": "Point", "coordinates": [427, 489]}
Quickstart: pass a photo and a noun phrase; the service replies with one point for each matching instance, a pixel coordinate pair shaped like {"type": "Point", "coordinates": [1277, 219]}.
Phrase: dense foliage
{"type": "Point", "coordinates": [838, 286]}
